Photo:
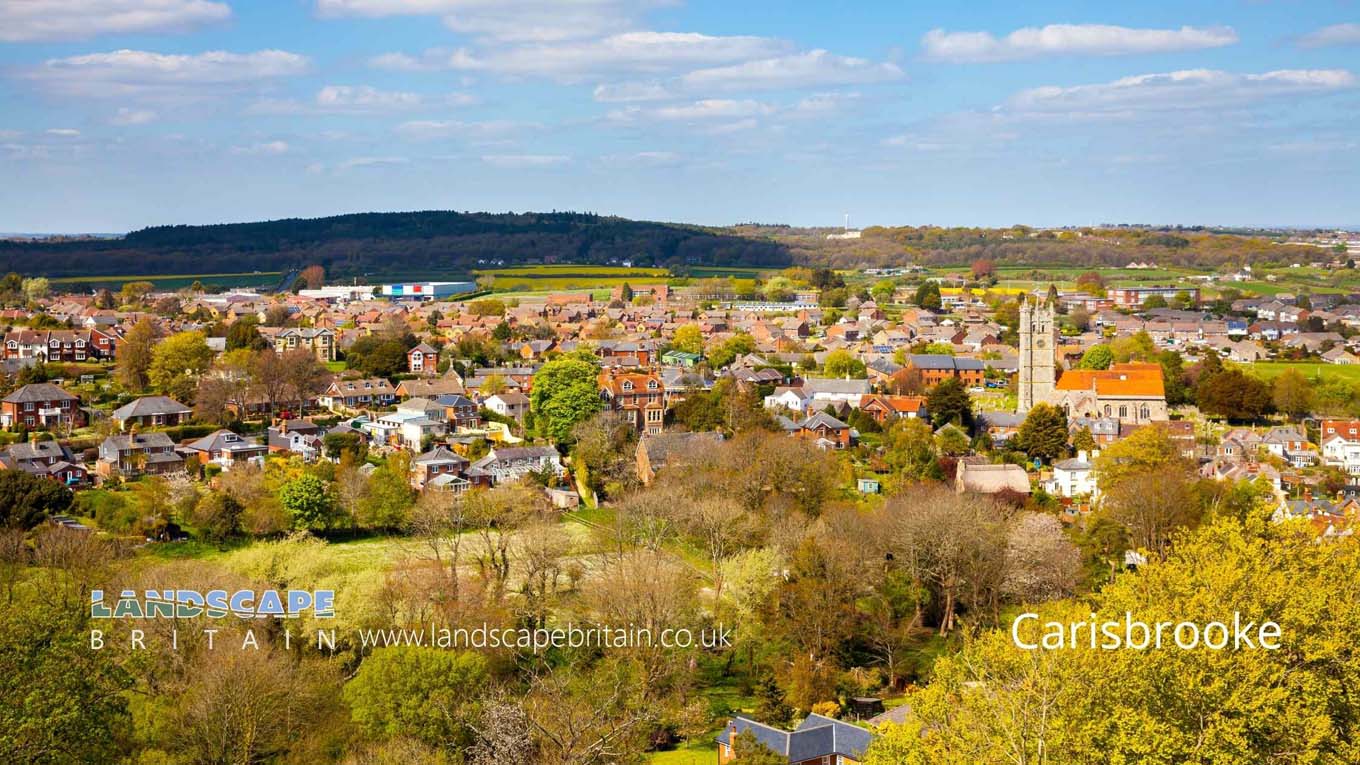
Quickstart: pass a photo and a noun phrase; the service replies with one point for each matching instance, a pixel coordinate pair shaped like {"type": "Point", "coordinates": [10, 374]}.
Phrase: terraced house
{"type": "Point", "coordinates": [67, 345]}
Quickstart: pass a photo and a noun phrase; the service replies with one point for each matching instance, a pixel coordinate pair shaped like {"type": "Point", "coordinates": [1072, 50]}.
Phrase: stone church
{"type": "Point", "coordinates": [1131, 393]}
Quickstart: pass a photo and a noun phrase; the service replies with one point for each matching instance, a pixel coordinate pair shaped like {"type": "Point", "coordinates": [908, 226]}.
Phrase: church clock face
{"type": "Point", "coordinates": [1039, 343]}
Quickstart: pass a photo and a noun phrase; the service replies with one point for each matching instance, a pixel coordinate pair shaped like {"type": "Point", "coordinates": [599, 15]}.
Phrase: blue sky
{"type": "Point", "coordinates": [117, 114]}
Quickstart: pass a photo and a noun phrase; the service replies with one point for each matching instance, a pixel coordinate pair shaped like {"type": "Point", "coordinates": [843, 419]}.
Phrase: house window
{"type": "Point", "coordinates": [1123, 412]}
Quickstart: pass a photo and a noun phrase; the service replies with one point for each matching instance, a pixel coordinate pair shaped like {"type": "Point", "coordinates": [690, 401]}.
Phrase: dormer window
{"type": "Point", "coordinates": [627, 384]}
{"type": "Point", "coordinates": [651, 385]}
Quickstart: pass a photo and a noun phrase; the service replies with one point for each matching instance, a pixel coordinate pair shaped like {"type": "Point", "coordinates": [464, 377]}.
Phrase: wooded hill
{"type": "Point", "coordinates": [445, 242]}
{"type": "Point", "coordinates": [405, 242]}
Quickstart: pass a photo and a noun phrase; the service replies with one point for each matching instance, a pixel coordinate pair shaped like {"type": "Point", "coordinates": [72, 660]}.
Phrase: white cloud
{"type": "Point", "coordinates": [642, 159]}
{"type": "Point", "coordinates": [126, 116]}
{"type": "Point", "coordinates": [1069, 39]}
{"type": "Point", "coordinates": [123, 73]}
{"type": "Point", "coordinates": [365, 98]}
{"type": "Point", "coordinates": [431, 130]}
{"type": "Point", "coordinates": [1183, 90]}
{"type": "Point", "coordinates": [825, 103]}
{"type": "Point", "coordinates": [47, 20]}
{"type": "Point", "coordinates": [63, 132]}
{"type": "Point", "coordinates": [522, 161]}
{"type": "Point", "coordinates": [507, 21]}
{"type": "Point", "coordinates": [267, 148]}
{"type": "Point", "coordinates": [625, 53]}
{"type": "Point", "coordinates": [1336, 34]}
{"type": "Point", "coordinates": [817, 68]}
{"type": "Point", "coordinates": [627, 92]}
{"type": "Point", "coordinates": [698, 111]}
{"type": "Point", "coordinates": [360, 162]}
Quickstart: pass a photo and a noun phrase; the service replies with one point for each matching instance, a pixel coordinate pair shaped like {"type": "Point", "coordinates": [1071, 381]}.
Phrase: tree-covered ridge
{"type": "Point", "coordinates": [393, 242]}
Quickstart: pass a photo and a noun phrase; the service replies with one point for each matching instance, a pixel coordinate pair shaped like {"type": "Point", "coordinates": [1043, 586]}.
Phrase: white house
{"type": "Point", "coordinates": [788, 398]}
{"type": "Point", "coordinates": [1339, 452]}
{"type": "Point", "coordinates": [1074, 477]}
{"type": "Point", "coordinates": [508, 404]}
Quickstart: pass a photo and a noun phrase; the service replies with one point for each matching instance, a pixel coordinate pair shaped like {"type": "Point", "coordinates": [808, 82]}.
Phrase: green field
{"type": "Point", "coordinates": [569, 277]}
{"type": "Point", "coordinates": [176, 281]}
{"type": "Point", "coordinates": [1269, 370]}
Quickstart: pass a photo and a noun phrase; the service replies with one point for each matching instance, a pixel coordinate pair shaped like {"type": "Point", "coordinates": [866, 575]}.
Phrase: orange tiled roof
{"type": "Point", "coordinates": [1131, 379]}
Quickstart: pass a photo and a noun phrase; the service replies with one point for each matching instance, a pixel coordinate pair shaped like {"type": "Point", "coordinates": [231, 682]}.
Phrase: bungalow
{"type": "Point", "coordinates": [513, 463]}
{"type": "Point", "coordinates": [358, 394]}
{"type": "Point", "coordinates": [825, 390]}
{"type": "Point", "coordinates": [429, 388]}
{"type": "Point", "coordinates": [816, 741]}
{"type": "Point", "coordinates": [827, 431]}
{"type": "Point", "coordinates": [884, 408]}
{"type": "Point", "coordinates": [151, 411]}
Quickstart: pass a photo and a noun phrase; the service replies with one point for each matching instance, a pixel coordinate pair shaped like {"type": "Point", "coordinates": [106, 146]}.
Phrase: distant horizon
{"type": "Point", "coordinates": [115, 115]}
{"type": "Point", "coordinates": [1353, 228]}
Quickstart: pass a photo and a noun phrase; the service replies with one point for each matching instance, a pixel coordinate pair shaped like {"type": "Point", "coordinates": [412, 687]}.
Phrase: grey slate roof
{"type": "Point", "coordinates": [148, 406]}
{"type": "Point", "coordinates": [36, 392]}
{"type": "Point", "coordinates": [815, 737]}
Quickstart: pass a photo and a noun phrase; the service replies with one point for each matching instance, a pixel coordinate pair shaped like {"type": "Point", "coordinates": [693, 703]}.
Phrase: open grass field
{"type": "Point", "coordinates": [708, 272]}
{"type": "Point", "coordinates": [570, 277]}
{"type": "Point", "coordinates": [176, 281]}
{"type": "Point", "coordinates": [1269, 370]}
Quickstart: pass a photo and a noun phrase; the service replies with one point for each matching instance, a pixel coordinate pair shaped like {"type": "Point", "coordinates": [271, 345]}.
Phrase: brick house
{"type": "Point", "coordinates": [41, 405]}
{"type": "Point", "coordinates": [423, 360]}
{"type": "Point", "coordinates": [66, 345]}
{"type": "Point", "coordinates": [639, 397]}
{"type": "Point", "coordinates": [884, 408]}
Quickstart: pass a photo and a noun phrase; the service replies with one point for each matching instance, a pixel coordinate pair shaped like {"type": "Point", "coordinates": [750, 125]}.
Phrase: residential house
{"type": "Point", "coordinates": [226, 449]}
{"type": "Point", "coordinates": [817, 740]}
{"type": "Point", "coordinates": [133, 454]}
{"type": "Point", "coordinates": [884, 408]}
{"type": "Point", "coordinates": [826, 431]}
{"type": "Point", "coordinates": [300, 437]}
{"type": "Point", "coordinates": [638, 397]}
{"type": "Point", "coordinates": [825, 390]}
{"type": "Point", "coordinates": [1074, 477]}
{"type": "Point", "coordinates": [659, 450]}
{"type": "Point", "coordinates": [508, 404]}
{"type": "Point", "coordinates": [513, 463]}
{"type": "Point", "coordinates": [423, 360]}
{"type": "Point", "coordinates": [321, 342]}
{"type": "Point", "coordinates": [49, 459]}
{"type": "Point", "coordinates": [936, 368]}
{"type": "Point", "coordinates": [61, 345]}
{"type": "Point", "coordinates": [425, 387]}
{"type": "Point", "coordinates": [437, 462]}
{"type": "Point", "coordinates": [151, 411]}
{"type": "Point", "coordinates": [358, 394]}
{"type": "Point", "coordinates": [41, 405]}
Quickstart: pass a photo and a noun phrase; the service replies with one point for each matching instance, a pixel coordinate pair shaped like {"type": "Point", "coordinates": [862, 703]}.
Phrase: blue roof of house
{"type": "Point", "coordinates": [816, 736]}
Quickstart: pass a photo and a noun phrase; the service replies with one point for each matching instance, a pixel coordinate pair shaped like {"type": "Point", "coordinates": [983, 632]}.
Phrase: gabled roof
{"type": "Point", "coordinates": [815, 737]}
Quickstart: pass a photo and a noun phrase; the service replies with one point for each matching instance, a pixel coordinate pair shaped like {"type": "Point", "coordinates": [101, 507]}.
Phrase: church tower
{"type": "Point", "coordinates": [1038, 351]}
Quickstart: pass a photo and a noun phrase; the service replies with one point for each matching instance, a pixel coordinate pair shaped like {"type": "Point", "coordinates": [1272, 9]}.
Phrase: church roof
{"type": "Point", "coordinates": [1139, 380]}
